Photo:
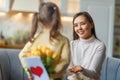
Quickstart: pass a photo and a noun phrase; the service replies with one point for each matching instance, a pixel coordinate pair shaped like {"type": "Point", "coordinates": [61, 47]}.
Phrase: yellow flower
{"type": "Point", "coordinates": [39, 48]}
{"type": "Point", "coordinates": [43, 49]}
{"type": "Point", "coordinates": [37, 53]}
{"type": "Point", "coordinates": [33, 49]}
{"type": "Point", "coordinates": [54, 55]}
{"type": "Point", "coordinates": [48, 52]}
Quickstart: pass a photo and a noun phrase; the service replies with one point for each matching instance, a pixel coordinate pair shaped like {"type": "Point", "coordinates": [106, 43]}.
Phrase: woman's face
{"type": "Point", "coordinates": [82, 27]}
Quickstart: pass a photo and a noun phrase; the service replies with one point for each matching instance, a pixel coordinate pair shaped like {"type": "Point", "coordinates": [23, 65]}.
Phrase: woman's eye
{"type": "Point", "coordinates": [75, 25]}
{"type": "Point", "coordinates": [82, 23]}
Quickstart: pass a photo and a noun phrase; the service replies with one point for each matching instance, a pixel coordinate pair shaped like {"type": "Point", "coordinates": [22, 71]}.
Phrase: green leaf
{"type": "Point", "coordinates": [43, 59]}
{"type": "Point", "coordinates": [49, 61]}
{"type": "Point", "coordinates": [51, 70]}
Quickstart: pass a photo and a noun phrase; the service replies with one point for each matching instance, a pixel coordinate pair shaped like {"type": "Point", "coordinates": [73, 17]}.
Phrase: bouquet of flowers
{"type": "Point", "coordinates": [47, 56]}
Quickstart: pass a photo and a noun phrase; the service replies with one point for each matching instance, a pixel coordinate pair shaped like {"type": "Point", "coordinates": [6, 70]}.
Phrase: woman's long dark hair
{"type": "Point", "coordinates": [89, 19]}
{"type": "Point", "coordinates": [48, 15]}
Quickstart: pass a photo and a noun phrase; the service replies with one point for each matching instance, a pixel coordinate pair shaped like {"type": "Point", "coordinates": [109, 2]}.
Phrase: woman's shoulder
{"type": "Point", "coordinates": [74, 42]}
{"type": "Point", "coordinates": [100, 43]}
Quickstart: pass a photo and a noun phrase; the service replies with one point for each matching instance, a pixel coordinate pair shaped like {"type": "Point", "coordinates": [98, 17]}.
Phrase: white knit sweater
{"type": "Point", "coordinates": [90, 55]}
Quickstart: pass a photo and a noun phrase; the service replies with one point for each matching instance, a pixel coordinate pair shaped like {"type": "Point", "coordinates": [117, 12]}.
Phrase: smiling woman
{"type": "Point", "coordinates": [87, 51]}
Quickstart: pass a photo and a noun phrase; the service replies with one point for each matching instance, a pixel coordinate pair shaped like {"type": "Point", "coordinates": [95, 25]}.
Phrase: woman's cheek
{"type": "Point", "coordinates": [85, 27]}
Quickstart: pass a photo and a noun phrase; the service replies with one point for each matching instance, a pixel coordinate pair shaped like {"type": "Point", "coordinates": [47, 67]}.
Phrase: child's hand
{"type": "Point", "coordinates": [30, 77]}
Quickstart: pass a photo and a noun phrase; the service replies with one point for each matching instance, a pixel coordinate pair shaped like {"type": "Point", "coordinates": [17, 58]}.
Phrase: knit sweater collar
{"type": "Point", "coordinates": [89, 40]}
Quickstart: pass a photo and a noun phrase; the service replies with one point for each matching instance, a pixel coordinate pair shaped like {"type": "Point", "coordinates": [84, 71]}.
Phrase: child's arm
{"type": "Point", "coordinates": [65, 56]}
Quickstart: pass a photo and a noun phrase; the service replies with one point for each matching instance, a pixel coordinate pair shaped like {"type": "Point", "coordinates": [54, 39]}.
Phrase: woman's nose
{"type": "Point", "coordinates": [79, 26]}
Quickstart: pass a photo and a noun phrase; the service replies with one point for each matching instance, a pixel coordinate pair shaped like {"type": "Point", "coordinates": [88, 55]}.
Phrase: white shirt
{"type": "Point", "coordinates": [89, 54]}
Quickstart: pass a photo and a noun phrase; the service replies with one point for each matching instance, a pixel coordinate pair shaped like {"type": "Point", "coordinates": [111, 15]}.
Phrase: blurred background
{"type": "Point", "coordinates": [16, 18]}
